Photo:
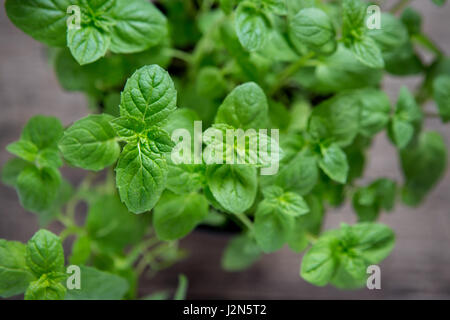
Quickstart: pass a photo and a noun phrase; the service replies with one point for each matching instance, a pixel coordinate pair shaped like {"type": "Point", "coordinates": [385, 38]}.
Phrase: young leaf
{"type": "Point", "coordinates": [175, 216]}
{"type": "Point", "coordinates": [45, 288]}
{"type": "Point", "coordinates": [140, 177]}
{"type": "Point", "coordinates": [45, 253]}
{"type": "Point", "coordinates": [12, 169]}
{"type": "Point", "coordinates": [149, 95]}
{"type": "Point", "coordinates": [44, 20]}
{"type": "Point", "coordinates": [23, 149]}
{"type": "Point", "coordinates": [271, 227]}
{"type": "Point", "coordinates": [37, 188]}
{"type": "Point", "coordinates": [240, 253]}
{"type": "Point", "coordinates": [245, 107]}
{"type": "Point", "coordinates": [185, 178]}
{"type": "Point", "coordinates": [98, 285]}
{"type": "Point", "coordinates": [285, 203]}
{"type": "Point", "coordinates": [139, 25]}
{"type": "Point", "coordinates": [42, 131]}
{"type": "Point", "coordinates": [87, 44]}
{"type": "Point", "coordinates": [319, 264]}
{"type": "Point", "coordinates": [90, 143]}
{"type": "Point", "coordinates": [441, 90]}
{"type": "Point", "coordinates": [333, 162]}
{"type": "Point", "coordinates": [336, 119]}
{"type": "Point", "coordinates": [375, 111]}
{"type": "Point", "coordinates": [233, 186]}
{"type": "Point", "coordinates": [313, 28]}
{"type": "Point", "coordinates": [14, 273]}
{"type": "Point", "coordinates": [127, 128]}
{"type": "Point", "coordinates": [367, 51]}
{"type": "Point", "coordinates": [251, 26]}
{"type": "Point", "coordinates": [276, 6]}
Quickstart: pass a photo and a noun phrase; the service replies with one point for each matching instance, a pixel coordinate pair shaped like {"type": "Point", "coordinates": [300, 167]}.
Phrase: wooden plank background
{"type": "Point", "coordinates": [419, 266]}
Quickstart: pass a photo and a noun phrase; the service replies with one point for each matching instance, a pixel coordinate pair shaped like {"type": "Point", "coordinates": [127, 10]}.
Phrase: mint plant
{"type": "Point", "coordinates": [306, 73]}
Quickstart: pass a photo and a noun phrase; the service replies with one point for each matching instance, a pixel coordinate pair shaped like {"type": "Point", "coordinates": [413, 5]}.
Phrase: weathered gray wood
{"type": "Point", "coordinates": [419, 267]}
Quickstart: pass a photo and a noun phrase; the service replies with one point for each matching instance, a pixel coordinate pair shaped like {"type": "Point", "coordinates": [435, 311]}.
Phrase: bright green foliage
{"type": "Point", "coordinates": [14, 272]}
{"type": "Point", "coordinates": [177, 215]}
{"type": "Point", "coordinates": [313, 28]}
{"type": "Point", "coordinates": [342, 256]}
{"type": "Point", "coordinates": [45, 253]}
{"type": "Point", "coordinates": [121, 26]}
{"type": "Point", "coordinates": [233, 186]}
{"type": "Point", "coordinates": [90, 143]}
{"type": "Point", "coordinates": [98, 285]}
{"type": "Point", "coordinates": [313, 70]}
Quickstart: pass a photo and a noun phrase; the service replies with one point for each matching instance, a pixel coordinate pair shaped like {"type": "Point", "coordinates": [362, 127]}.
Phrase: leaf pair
{"type": "Point", "coordinates": [341, 257]}
{"type": "Point", "coordinates": [122, 26]}
{"type": "Point", "coordinates": [35, 173]}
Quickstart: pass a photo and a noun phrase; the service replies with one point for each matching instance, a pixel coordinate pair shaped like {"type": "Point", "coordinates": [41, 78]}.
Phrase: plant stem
{"type": "Point", "coordinates": [399, 6]}
{"type": "Point", "coordinates": [246, 221]}
{"type": "Point", "coordinates": [288, 72]}
{"type": "Point", "coordinates": [427, 43]}
{"type": "Point", "coordinates": [179, 54]}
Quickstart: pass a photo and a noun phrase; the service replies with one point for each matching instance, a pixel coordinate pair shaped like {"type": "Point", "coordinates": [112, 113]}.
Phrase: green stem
{"type": "Point", "coordinates": [289, 72]}
{"type": "Point", "coordinates": [399, 6]}
{"type": "Point", "coordinates": [246, 221]}
{"type": "Point", "coordinates": [179, 54]}
{"type": "Point", "coordinates": [427, 43]}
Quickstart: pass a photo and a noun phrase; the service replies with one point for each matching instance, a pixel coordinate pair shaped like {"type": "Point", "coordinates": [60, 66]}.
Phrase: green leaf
{"type": "Point", "coordinates": [45, 289]}
{"type": "Point", "coordinates": [392, 34]}
{"type": "Point", "coordinates": [313, 28]}
{"type": "Point", "coordinates": [44, 20]}
{"type": "Point", "coordinates": [37, 188]}
{"type": "Point", "coordinates": [368, 201]}
{"type": "Point", "coordinates": [180, 294]}
{"type": "Point", "coordinates": [87, 44]}
{"type": "Point", "coordinates": [333, 162]}
{"type": "Point", "coordinates": [441, 92]}
{"type": "Point", "coordinates": [23, 149]}
{"type": "Point", "coordinates": [210, 83]}
{"type": "Point", "coordinates": [45, 253]}
{"type": "Point", "coordinates": [43, 131]}
{"type": "Point", "coordinates": [276, 6]}
{"type": "Point", "coordinates": [245, 107]}
{"type": "Point", "coordinates": [139, 25]}
{"type": "Point", "coordinates": [149, 95]}
{"type": "Point", "coordinates": [336, 119]}
{"type": "Point", "coordinates": [98, 285]}
{"type": "Point", "coordinates": [240, 253]}
{"type": "Point", "coordinates": [159, 140]}
{"type": "Point", "coordinates": [285, 203]}
{"type": "Point", "coordinates": [412, 20]}
{"type": "Point", "coordinates": [185, 178]}
{"type": "Point", "coordinates": [375, 111]}
{"type": "Point", "coordinates": [127, 128]}
{"type": "Point", "coordinates": [12, 169]}
{"type": "Point", "coordinates": [367, 51]}
{"type": "Point", "coordinates": [439, 2]}
{"type": "Point", "coordinates": [251, 26]}
{"type": "Point", "coordinates": [81, 250]}
{"type": "Point", "coordinates": [318, 264]}
{"type": "Point", "coordinates": [353, 18]}
{"type": "Point", "coordinates": [49, 158]}
{"type": "Point", "coordinates": [423, 166]}
{"type": "Point", "coordinates": [14, 273]}
{"type": "Point", "coordinates": [233, 186]}
{"type": "Point", "coordinates": [111, 225]}
{"type": "Point", "coordinates": [90, 143]}
{"type": "Point", "coordinates": [271, 227]}
{"type": "Point", "coordinates": [140, 177]}
{"type": "Point", "coordinates": [175, 216]}
{"type": "Point", "coordinates": [406, 120]}
{"type": "Point", "coordinates": [342, 71]}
